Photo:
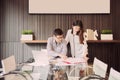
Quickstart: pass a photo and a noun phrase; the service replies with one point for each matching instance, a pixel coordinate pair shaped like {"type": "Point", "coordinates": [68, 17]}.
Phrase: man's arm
{"type": "Point", "coordinates": [50, 50]}
{"type": "Point", "coordinates": [64, 50]}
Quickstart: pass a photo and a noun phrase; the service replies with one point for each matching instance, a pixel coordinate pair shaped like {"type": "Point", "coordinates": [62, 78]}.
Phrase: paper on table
{"type": "Point", "coordinates": [37, 64]}
{"type": "Point", "coordinates": [70, 61]}
{"type": "Point", "coordinates": [74, 60]}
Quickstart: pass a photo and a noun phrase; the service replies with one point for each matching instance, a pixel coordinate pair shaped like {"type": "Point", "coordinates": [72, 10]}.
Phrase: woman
{"type": "Point", "coordinates": [76, 38]}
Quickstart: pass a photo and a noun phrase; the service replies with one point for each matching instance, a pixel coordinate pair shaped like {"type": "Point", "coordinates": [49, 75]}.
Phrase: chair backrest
{"type": "Point", "coordinates": [40, 57]}
{"type": "Point", "coordinates": [99, 67]}
{"type": "Point", "coordinates": [114, 75]}
{"type": "Point", "coordinates": [8, 64]}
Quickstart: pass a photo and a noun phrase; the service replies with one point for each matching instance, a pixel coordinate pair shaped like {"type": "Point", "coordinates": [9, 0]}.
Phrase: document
{"type": "Point", "coordinates": [74, 60]}
{"type": "Point", "coordinates": [70, 61]}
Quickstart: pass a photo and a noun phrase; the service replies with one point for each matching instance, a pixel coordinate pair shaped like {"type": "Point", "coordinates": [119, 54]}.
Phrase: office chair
{"type": "Point", "coordinates": [10, 71]}
{"type": "Point", "coordinates": [114, 75]}
{"type": "Point", "coordinates": [99, 70]}
{"type": "Point", "coordinates": [40, 66]}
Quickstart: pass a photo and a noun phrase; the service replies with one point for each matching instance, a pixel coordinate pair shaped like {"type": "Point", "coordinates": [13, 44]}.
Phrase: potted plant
{"type": "Point", "coordinates": [27, 35]}
{"type": "Point", "coordinates": [106, 34]}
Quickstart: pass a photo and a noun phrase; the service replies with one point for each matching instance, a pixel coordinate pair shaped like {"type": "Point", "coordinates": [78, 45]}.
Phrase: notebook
{"type": "Point", "coordinates": [8, 64]}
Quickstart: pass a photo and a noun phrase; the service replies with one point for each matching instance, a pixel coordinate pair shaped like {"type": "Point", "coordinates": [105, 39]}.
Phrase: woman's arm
{"type": "Point", "coordinates": [67, 38]}
{"type": "Point", "coordinates": [85, 50]}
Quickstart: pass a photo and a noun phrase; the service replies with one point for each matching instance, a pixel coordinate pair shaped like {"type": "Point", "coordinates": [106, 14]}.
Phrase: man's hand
{"type": "Point", "coordinates": [63, 56]}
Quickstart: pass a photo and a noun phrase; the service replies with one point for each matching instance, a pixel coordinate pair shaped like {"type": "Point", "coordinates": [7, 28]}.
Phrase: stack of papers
{"type": "Point", "coordinates": [74, 60]}
{"type": "Point", "coordinates": [70, 61]}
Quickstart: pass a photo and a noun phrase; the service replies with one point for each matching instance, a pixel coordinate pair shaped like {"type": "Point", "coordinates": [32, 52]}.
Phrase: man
{"type": "Point", "coordinates": [57, 48]}
{"type": "Point", "coordinates": [56, 45]}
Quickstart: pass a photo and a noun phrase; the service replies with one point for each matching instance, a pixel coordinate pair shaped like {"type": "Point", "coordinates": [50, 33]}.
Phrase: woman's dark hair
{"type": "Point", "coordinates": [79, 33]}
{"type": "Point", "coordinates": [57, 31]}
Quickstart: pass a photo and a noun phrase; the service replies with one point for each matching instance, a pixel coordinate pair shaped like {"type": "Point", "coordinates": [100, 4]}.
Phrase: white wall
{"type": "Point", "coordinates": [69, 6]}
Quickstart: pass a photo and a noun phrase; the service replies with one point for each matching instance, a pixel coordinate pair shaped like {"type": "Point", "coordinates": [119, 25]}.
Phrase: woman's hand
{"type": "Point", "coordinates": [86, 58]}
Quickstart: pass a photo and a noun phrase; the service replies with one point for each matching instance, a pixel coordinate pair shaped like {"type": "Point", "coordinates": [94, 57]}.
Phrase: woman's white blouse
{"type": "Point", "coordinates": [77, 49]}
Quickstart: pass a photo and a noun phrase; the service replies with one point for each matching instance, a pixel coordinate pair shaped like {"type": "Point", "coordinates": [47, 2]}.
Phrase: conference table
{"type": "Point", "coordinates": [63, 67]}
{"type": "Point", "coordinates": [57, 70]}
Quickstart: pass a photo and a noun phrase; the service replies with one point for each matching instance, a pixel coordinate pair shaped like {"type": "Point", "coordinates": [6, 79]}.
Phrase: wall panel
{"type": "Point", "coordinates": [14, 18]}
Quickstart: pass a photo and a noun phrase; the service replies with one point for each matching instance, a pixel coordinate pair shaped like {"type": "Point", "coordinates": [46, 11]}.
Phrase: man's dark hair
{"type": "Point", "coordinates": [57, 31]}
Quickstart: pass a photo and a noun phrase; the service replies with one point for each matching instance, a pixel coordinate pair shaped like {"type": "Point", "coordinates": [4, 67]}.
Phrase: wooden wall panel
{"type": "Point", "coordinates": [14, 18]}
{"type": "Point", "coordinates": [107, 52]}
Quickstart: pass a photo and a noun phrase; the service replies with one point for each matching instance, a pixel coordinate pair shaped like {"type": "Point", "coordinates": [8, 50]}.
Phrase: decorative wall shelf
{"type": "Point", "coordinates": [34, 41]}
{"type": "Point", "coordinates": [89, 41]}
{"type": "Point", "coordinates": [103, 41]}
